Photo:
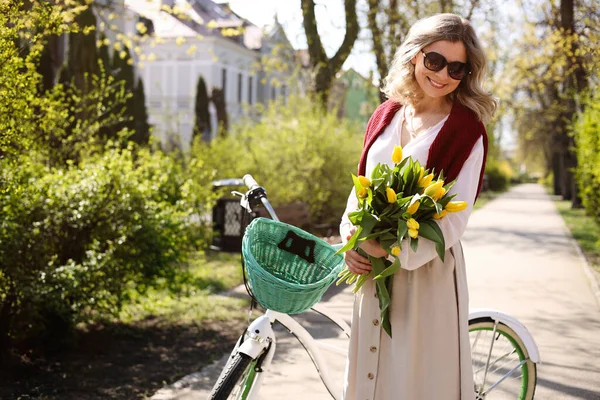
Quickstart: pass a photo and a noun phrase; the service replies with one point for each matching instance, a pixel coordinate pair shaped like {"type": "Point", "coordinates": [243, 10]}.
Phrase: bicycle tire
{"type": "Point", "coordinates": [528, 370]}
{"type": "Point", "coordinates": [239, 369]}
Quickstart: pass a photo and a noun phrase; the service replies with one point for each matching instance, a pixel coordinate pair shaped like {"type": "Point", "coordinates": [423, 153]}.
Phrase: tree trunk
{"type": "Point", "coordinates": [574, 80]}
{"type": "Point", "coordinates": [323, 68]}
{"type": "Point", "coordinates": [218, 99]}
{"type": "Point", "coordinates": [5, 321]}
{"type": "Point", "coordinates": [381, 58]}
{"type": "Point", "coordinates": [556, 171]}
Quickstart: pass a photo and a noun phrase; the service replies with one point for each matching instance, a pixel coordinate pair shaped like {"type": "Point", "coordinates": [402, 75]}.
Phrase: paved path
{"type": "Point", "coordinates": [519, 260]}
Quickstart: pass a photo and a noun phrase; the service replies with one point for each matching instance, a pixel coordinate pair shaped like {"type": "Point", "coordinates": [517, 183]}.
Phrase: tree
{"type": "Point", "coordinates": [45, 69]}
{"type": "Point", "coordinates": [323, 68]}
{"type": "Point", "coordinates": [556, 56]}
{"type": "Point", "coordinates": [83, 55]}
{"type": "Point", "coordinates": [122, 71]}
{"type": "Point", "coordinates": [218, 99]}
{"type": "Point", "coordinates": [103, 55]}
{"type": "Point", "coordinates": [202, 116]}
{"type": "Point", "coordinates": [140, 115]}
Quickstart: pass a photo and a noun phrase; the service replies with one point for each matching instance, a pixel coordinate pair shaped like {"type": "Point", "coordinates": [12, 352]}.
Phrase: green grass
{"type": "Point", "coordinates": [190, 296]}
{"type": "Point", "coordinates": [584, 229]}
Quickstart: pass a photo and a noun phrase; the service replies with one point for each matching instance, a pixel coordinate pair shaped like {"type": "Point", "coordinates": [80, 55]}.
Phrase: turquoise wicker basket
{"type": "Point", "coordinates": [288, 268]}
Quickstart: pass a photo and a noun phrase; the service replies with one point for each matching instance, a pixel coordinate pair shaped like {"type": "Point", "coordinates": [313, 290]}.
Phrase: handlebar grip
{"type": "Point", "coordinates": [249, 181]}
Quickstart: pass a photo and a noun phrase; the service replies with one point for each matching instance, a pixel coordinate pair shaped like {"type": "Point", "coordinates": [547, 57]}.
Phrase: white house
{"type": "Point", "coordinates": [191, 43]}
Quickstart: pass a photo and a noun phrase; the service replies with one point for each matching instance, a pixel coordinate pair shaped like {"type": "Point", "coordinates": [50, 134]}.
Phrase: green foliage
{"type": "Point", "coordinates": [298, 153]}
{"type": "Point", "coordinates": [83, 54]}
{"type": "Point", "coordinates": [18, 71]}
{"type": "Point", "coordinates": [103, 56]}
{"type": "Point", "coordinates": [71, 120]}
{"type": "Point", "coordinates": [587, 141]}
{"type": "Point", "coordinates": [86, 221]}
{"type": "Point", "coordinates": [141, 127]}
{"type": "Point", "coordinates": [73, 238]}
{"type": "Point", "coordinates": [202, 116]}
{"type": "Point", "coordinates": [498, 179]}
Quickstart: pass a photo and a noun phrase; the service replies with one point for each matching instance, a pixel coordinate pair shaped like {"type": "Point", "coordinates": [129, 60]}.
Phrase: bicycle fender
{"type": "Point", "coordinates": [513, 324]}
{"type": "Point", "coordinates": [259, 335]}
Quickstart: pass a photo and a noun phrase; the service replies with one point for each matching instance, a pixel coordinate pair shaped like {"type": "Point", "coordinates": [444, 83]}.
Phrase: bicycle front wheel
{"type": "Point", "coordinates": [502, 368]}
{"type": "Point", "coordinates": [236, 379]}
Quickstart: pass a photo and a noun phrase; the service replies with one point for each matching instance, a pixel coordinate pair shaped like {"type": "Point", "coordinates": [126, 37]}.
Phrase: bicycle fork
{"type": "Point", "coordinates": [259, 343]}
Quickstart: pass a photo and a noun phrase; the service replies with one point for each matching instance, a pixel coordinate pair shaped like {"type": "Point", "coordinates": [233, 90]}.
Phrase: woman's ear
{"type": "Point", "coordinates": [414, 60]}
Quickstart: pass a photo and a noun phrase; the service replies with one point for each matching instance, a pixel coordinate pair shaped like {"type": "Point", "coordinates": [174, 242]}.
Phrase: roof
{"type": "Point", "coordinates": [196, 17]}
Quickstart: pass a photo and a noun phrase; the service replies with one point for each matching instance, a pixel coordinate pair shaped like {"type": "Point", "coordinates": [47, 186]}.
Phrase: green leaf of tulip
{"type": "Point", "coordinates": [431, 230]}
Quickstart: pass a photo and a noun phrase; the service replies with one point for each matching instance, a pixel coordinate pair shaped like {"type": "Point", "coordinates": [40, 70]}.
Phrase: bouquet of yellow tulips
{"type": "Point", "coordinates": [397, 203]}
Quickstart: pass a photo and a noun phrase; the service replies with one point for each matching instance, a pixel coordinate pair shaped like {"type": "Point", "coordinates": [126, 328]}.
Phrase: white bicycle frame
{"type": "Point", "coordinates": [260, 337]}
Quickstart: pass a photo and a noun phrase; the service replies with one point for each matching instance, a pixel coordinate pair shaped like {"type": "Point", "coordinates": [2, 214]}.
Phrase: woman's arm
{"type": "Point", "coordinates": [452, 225]}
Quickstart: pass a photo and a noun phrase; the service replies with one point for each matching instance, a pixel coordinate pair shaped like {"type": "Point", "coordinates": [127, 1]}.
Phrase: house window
{"type": "Point", "coordinates": [224, 82]}
{"type": "Point", "coordinates": [249, 90]}
{"type": "Point", "coordinates": [273, 93]}
{"type": "Point", "coordinates": [239, 88]}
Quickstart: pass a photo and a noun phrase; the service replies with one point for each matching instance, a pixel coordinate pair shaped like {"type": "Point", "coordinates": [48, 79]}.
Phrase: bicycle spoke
{"type": "Point", "coordinates": [499, 368]}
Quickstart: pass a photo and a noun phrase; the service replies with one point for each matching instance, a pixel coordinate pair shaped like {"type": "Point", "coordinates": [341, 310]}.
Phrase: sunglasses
{"type": "Point", "coordinates": [436, 62]}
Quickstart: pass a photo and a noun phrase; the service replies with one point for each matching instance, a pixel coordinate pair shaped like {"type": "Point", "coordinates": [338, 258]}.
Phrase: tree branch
{"type": "Point", "coordinates": [315, 46]}
{"type": "Point", "coordinates": [351, 34]}
{"type": "Point", "coordinates": [376, 34]}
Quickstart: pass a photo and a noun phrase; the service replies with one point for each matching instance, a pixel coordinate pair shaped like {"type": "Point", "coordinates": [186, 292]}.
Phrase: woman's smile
{"type": "Point", "coordinates": [435, 84]}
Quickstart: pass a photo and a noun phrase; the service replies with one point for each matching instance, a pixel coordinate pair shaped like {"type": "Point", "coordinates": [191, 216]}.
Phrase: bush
{"type": "Point", "coordinates": [74, 239]}
{"type": "Point", "coordinates": [298, 153]}
{"type": "Point", "coordinates": [497, 178]}
{"type": "Point", "coordinates": [588, 155]}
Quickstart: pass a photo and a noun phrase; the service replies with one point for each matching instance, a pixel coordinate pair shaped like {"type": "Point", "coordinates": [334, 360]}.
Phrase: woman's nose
{"type": "Point", "coordinates": [443, 73]}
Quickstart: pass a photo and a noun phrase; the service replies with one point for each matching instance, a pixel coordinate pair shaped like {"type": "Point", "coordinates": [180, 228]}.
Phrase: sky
{"type": "Point", "coordinates": [330, 22]}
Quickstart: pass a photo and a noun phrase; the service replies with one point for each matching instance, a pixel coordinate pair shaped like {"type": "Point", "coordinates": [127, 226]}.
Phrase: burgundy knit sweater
{"type": "Point", "coordinates": [449, 150]}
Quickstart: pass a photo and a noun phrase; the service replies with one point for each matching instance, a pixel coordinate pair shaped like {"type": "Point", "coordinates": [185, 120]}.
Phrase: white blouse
{"type": "Point", "coordinates": [452, 225]}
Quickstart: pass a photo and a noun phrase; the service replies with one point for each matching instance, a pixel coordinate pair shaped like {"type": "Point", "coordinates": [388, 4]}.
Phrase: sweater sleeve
{"type": "Point", "coordinates": [452, 225]}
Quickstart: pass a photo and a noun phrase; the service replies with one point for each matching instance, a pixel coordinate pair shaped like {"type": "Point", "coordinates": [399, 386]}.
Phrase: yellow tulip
{"type": "Point", "coordinates": [412, 224]}
{"type": "Point", "coordinates": [440, 215]}
{"type": "Point", "coordinates": [413, 233]}
{"type": "Point", "coordinates": [397, 154]}
{"type": "Point", "coordinates": [425, 181]}
{"type": "Point", "coordinates": [456, 206]}
{"type": "Point", "coordinates": [396, 251]}
{"type": "Point", "coordinates": [391, 195]}
{"type": "Point", "coordinates": [421, 172]}
{"type": "Point", "coordinates": [362, 193]}
{"type": "Point", "coordinates": [364, 181]}
{"type": "Point", "coordinates": [433, 188]}
{"type": "Point", "coordinates": [440, 193]}
{"type": "Point", "coordinates": [413, 207]}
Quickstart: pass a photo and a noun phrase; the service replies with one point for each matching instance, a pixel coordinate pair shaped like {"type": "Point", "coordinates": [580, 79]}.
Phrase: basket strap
{"type": "Point", "coordinates": [295, 244]}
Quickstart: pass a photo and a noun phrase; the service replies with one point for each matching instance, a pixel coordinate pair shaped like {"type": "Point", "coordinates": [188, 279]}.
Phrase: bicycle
{"type": "Point", "coordinates": [505, 355]}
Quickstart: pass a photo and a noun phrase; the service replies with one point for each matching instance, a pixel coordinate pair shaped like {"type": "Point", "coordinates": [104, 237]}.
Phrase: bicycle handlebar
{"type": "Point", "coordinates": [250, 182]}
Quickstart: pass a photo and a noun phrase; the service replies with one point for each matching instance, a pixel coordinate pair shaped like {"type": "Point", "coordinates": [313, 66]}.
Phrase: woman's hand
{"type": "Point", "coordinates": [359, 264]}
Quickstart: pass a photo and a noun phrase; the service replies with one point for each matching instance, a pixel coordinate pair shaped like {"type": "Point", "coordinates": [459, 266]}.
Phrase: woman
{"type": "Point", "coordinates": [436, 110]}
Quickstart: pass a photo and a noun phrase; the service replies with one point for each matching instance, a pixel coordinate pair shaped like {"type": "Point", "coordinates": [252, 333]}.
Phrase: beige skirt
{"type": "Point", "coordinates": [428, 357]}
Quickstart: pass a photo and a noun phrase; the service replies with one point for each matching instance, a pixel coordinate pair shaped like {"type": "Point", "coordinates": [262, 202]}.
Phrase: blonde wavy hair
{"type": "Point", "coordinates": [401, 85]}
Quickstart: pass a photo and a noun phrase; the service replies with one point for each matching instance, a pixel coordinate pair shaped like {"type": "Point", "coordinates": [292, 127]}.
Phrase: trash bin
{"type": "Point", "coordinates": [228, 218]}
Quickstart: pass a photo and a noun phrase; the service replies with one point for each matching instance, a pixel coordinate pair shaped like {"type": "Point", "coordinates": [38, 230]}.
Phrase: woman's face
{"type": "Point", "coordinates": [439, 84]}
